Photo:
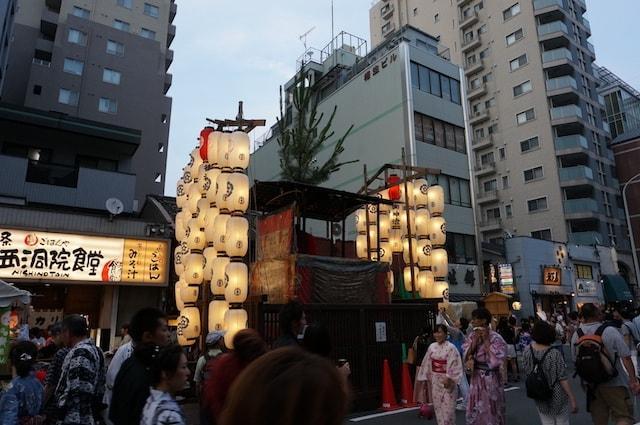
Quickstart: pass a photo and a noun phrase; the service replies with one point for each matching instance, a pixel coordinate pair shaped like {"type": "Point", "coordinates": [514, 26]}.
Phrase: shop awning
{"type": "Point", "coordinates": [9, 294]}
{"type": "Point", "coordinates": [616, 288]}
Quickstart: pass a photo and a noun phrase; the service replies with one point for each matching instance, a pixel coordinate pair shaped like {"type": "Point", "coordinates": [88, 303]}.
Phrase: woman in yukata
{"type": "Point", "coordinates": [443, 369]}
{"type": "Point", "coordinates": [484, 353]}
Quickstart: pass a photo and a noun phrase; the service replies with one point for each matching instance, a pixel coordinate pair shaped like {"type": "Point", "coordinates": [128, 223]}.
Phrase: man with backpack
{"type": "Point", "coordinates": [599, 352]}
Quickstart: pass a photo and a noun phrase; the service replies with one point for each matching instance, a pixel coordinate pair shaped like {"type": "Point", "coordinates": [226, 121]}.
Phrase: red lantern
{"type": "Point", "coordinates": [394, 188]}
{"type": "Point", "coordinates": [204, 135]}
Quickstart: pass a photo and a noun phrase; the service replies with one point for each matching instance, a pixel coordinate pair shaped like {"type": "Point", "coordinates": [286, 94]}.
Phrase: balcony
{"type": "Point", "coordinates": [586, 24]}
{"type": "Point", "coordinates": [49, 23]}
{"type": "Point", "coordinates": [387, 11]}
{"type": "Point", "coordinates": [481, 143]}
{"type": "Point", "coordinates": [575, 176]}
{"type": "Point", "coordinates": [581, 208]}
{"type": "Point", "coordinates": [475, 92]}
{"type": "Point", "coordinates": [490, 224]}
{"type": "Point", "coordinates": [485, 168]}
{"type": "Point", "coordinates": [173, 9]}
{"type": "Point", "coordinates": [557, 57]}
{"type": "Point", "coordinates": [544, 6]}
{"type": "Point", "coordinates": [472, 68]}
{"type": "Point", "coordinates": [470, 19]}
{"type": "Point", "coordinates": [471, 43]}
{"type": "Point", "coordinates": [585, 238]}
{"type": "Point", "coordinates": [552, 30]}
{"type": "Point", "coordinates": [171, 34]}
{"type": "Point", "coordinates": [485, 197]}
{"type": "Point", "coordinates": [168, 80]}
{"type": "Point", "coordinates": [571, 144]}
{"type": "Point", "coordinates": [168, 59]}
{"type": "Point", "coordinates": [561, 85]}
{"type": "Point", "coordinates": [565, 114]}
{"type": "Point", "coordinates": [461, 3]}
{"type": "Point", "coordinates": [591, 49]}
{"type": "Point", "coordinates": [479, 117]}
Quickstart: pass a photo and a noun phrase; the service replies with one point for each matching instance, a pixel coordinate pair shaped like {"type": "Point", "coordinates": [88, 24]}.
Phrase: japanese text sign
{"type": "Point", "coordinates": [552, 276]}
{"type": "Point", "coordinates": [35, 255]}
{"type": "Point", "coordinates": [506, 278]}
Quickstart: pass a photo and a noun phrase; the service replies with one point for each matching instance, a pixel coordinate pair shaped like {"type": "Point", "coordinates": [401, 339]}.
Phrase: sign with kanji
{"type": "Point", "coordinates": [35, 255]}
{"type": "Point", "coordinates": [552, 276]}
{"type": "Point", "coordinates": [275, 235]}
{"type": "Point", "coordinates": [505, 272]}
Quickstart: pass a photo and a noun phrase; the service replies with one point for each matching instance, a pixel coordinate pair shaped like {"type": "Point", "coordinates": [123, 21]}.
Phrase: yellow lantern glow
{"type": "Point", "coordinates": [361, 221]}
{"type": "Point", "coordinates": [195, 236]}
{"type": "Point", "coordinates": [181, 226]}
{"type": "Point", "coordinates": [440, 290]}
{"type": "Point", "coordinates": [223, 150]}
{"type": "Point", "coordinates": [390, 282]}
{"type": "Point", "coordinates": [403, 222]}
{"type": "Point", "coordinates": [435, 196]}
{"type": "Point", "coordinates": [420, 190]}
{"type": "Point", "coordinates": [178, 265]}
{"type": "Point", "coordinates": [437, 231]}
{"type": "Point", "coordinates": [184, 342]}
{"type": "Point", "coordinates": [384, 253]}
{"type": "Point", "coordinates": [412, 199]}
{"type": "Point", "coordinates": [361, 246]}
{"type": "Point", "coordinates": [181, 193]}
{"type": "Point", "coordinates": [414, 250]}
{"type": "Point", "coordinates": [194, 268]}
{"type": "Point", "coordinates": [237, 237]}
{"type": "Point", "coordinates": [239, 146]}
{"type": "Point", "coordinates": [384, 194]}
{"type": "Point", "coordinates": [407, 277]}
{"type": "Point", "coordinates": [218, 278]}
{"type": "Point", "coordinates": [187, 177]}
{"type": "Point", "coordinates": [373, 238]}
{"type": "Point", "coordinates": [189, 322]}
{"type": "Point", "coordinates": [422, 222]}
{"type": "Point", "coordinates": [237, 285]}
{"type": "Point", "coordinates": [210, 151]}
{"type": "Point", "coordinates": [373, 215]}
{"type": "Point", "coordinates": [424, 252]}
{"type": "Point", "coordinates": [396, 220]}
{"type": "Point", "coordinates": [209, 224]}
{"type": "Point", "coordinates": [425, 283]}
{"type": "Point", "coordinates": [193, 196]}
{"type": "Point", "coordinates": [385, 225]}
{"type": "Point", "coordinates": [220, 232]}
{"type": "Point", "coordinates": [223, 191]}
{"type": "Point", "coordinates": [189, 294]}
{"type": "Point", "coordinates": [179, 285]}
{"type": "Point", "coordinates": [217, 310]}
{"type": "Point", "coordinates": [234, 321]}
{"type": "Point", "coordinates": [238, 200]}
{"type": "Point", "coordinates": [439, 262]}
{"type": "Point", "coordinates": [209, 254]}
{"type": "Point", "coordinates": [395, 240]}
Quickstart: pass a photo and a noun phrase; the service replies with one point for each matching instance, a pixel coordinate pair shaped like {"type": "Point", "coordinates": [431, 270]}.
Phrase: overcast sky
{"type": "Point", "coordinates": [231, 50]}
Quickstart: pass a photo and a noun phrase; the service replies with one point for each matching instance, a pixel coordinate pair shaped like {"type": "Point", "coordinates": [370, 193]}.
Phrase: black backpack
{"type": "Point", "coordinates": [593, 363]}
{"type": "Point", "coordinates": [537, 386]}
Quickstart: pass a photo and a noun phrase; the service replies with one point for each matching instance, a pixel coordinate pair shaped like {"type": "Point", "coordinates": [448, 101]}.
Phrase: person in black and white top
{"type": "Point", "coordinates": [554, 411]}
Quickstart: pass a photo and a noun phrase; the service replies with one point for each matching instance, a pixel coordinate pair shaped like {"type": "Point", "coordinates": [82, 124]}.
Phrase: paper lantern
{"type": "Point", "coordinates": [516, 305]}
{"type": "Point", "coordinates": [384, 253]}
{"type": "Point", "coordinates": [202, 181]}
{"type": "Point", "coordinates": [210, 254]}
{"type": "Point", "coordinates": [212, 175]}
{"type": "Point", "coordinates": [195, 235]}
{"type": "Point", "coordinates": [223, 191]}
{"type": "Point", "coordinates": [414, 250]}
{"type": "Point", "coordinates": [194, 163]}
{"type": "Point", "coordinates": [203, 208]}
{"type": "Point", "coordinates": [209, 147]}
{"type": "Point", "coordinates": [220, 231]}
{"type": "Point", "coordinates": [394, 190]}
{"type": "Point", "coordinates": [403, 222]}
{"type": "Point", "coordinates": [425, 283]}
{"type": "Point", "coordinates": [361, 220]}
{"type": "Point", "coordinates": [440, 289]}
{"type": "Point", "coordinates": [183, 341]}
{"type": "Point", "coordinates": [181, 226]}
{"type": "Point", "coordinates": [178, 287]}
{"type": "Point", "coordinates": [223, 150]}
{"type": "Point", "coordinates": [384, 194]}
{"type": "Point", "coordinates": [204, 135]}
{"type": "Point", "coordinates": [178, 265]}
{"type": "Point", "coordinates": [194, 269]}
{"type": "Point", "coordinates": [373, 238]}
{"type": "Point", "coordinates": [189, 322]}
{"type": "Point", "coordinates": [237, 237]}
{"type": "Point", "coordinates": [424, 252]}
{"type": "Point", "coordinates": [187, 177]}
{"type": "Point", "coordinates": [395, 240]}
{"type": "Point", "coordinates": [411, 197]}
{"type": "Point", "coordinates": [420, 190]}
{"type": "Point", "coordinates": [218, 277]}
{"type": "Point", "coordinates": [384, 226]}
{"type": "Point", "coordinates": [435, 196]}
{"type": "Point", "coordinates": [181, 193]}
{"type": "Point", "coordinates": [209, 224]}
{"type": "Point", "coordinates": [237, 284]}
{"type": "Point", "coordinates": [193, 196]}
{"type": "Point", "coordinates": [438, 231]}
{"type": "Point", "coordinates": [361, 246]}
{"type": "Point", "coordinates": [407, 277]}
{"type": "Point", "coordinates": [422, 222]}
{"type": "Point", "coordinates": [217, 310]}
{"type": "Point", "coordinates": [238, 150]}
{"type": "Point", "coordinates": [394, 216]}
{"type": "Point", "coordinates": [189, 294]}
{"type": "Point", "coordinates": [234, 321]}
{"type": "Point", "coordinates": [238, 199]}
{"type": "Point", "coordinates": [373, 214]}
{"type": "Point", "coordinates": [390, 281]}
{"type": "Point", "coordinates": [439, 262]}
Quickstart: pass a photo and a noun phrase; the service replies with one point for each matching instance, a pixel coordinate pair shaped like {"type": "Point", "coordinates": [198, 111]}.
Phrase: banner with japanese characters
{"type": "Point", "coordinates": [35, 255]}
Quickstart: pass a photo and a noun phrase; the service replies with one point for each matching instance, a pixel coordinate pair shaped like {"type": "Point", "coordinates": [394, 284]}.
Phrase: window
{"type": "Point", "coordinates": [493, 213]}
{"type": "Point", "coordinates": [518, 62]}
{"type": "Point", "coordinates": [505, 182]}
{"type": "Point", "coordinates": [446, 87]}
{"type": "Point", "coordinates": [538, 204]}
{"type": "Point", "coordinates": [108, 106]}
{"type": "Point", "coordinates": [77, 37]}
{"type": "Point", "coordinates": [533, 174]}
{"type": "Point", "coordinates": [115, 48]}
{"type": "Point", "coordinates": [511, 12]}
{"type": "Point", "coordinates": [490, 185]}
{"type": "Point", "coordinates": [584, 271]}
{"type": "Point", "coordinates": [125, 3]}
{"type": "Point", "coordinates": [525, 116]}
{"type": "Point", "coordinates": [148, 33]}
{"type": "Point", "coordinates": [439, 133]}
{"type": "Point", "coordinates": [529, 144]}
{"type": "Point", "coordinates": [37, 89]}
{"type": "Point", "coordinates": [461, 249]}
{"type": "Point", "coordinates": [434, 77]}
{"type": "Point", "coordinates": [487, 158]}
{"type": "Point", "coordinates": [73, 66]}
{"type": "Point", "coordinates": [151, 10]}
{"type": "Point", "coordinates": [514, 36]}
{"type": "Point", "coordinates": [68, 97]}
{"type": "Point", "coordinates": [544, 234]}
{"type": "Point", "coordinates": [110, 76]}
{"type": "Point", "coordinates": [80, 12]}
{"type": "Point", "coordinates": [508, 211]}
{"type": "Point", "coordinates": [502, 154]}
{"type": "Point", "coordinates": [121, 25]}
{"type": "Point", "coordinates": [483, 29]}
{"type": "Point", "coordinates": [522, 88]}
{"type": "Point", "coordinates": [492, 129]}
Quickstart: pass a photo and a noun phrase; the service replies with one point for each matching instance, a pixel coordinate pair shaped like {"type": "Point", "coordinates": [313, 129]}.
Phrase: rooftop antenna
{"type": "Point", "coordinates": [303, 37]}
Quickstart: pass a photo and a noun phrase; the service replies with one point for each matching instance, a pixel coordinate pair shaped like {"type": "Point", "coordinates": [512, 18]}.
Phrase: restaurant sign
{"type": "Point", "coordinates": [506, 279]}
{"type": "Point", "coordinates": [552, 276]}
{"type": "Point", "coordinates": [35, 255]}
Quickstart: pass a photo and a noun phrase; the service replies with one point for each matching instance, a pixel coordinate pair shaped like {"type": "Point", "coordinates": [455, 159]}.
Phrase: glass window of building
{"type": "Point", "coordinates": [505, 182]}
{"type": "Point", "coordinates": [461, 248]}
{"type": "Point", "coordinates": [435, 83]}
{"type": "Point", "coordinates": [584, 271]}
{"type": "Point", "coordinates": [531, 174]}
{"type": "Point", "coordinates": [522, 88]}
{"type": "Point", "coordinates": [72, 66]}
{"type": "Point", "coordinates": [511, 12]}
{"type": "Point", "coordinates": [125, 3]}
{"type": "Point", "coordinates": [493, 213]}
{"type": "Point", "coordinates": [68, 97]}
{"type": "Point", "coordinates": [446, 87]}
{"type": "Point", "coordinates": [77, 37]}
{"type": "Point", "coordinates": [115, 48]}
{"type": "Point", "coordinates": [151, 10]}
{"type": "Point", "coordinates": [538, 204]}
{"type": "Point", "coordinates": [514, 36]}
{"type": "Point", "coordinates": [525, 116]}
{"type": "Point", "coordinates": [544, 234]}
{"type": "Point", "coordinates": [529, 144]}
{"type": "Point", "coordinates": [81, 12]}
{"type": "Point", "coordinates": [147, 33]}
{"type": "Point", "coordinates": [518, 62]}
{"type": "Point", "coordinates": [508, 211]}
{"type": "Point", "coordinates": [108, 106]}
{"type": "Point", "coordinates": [121, 25]}
{"type": "Point", "coordinates": [490, 185]}
{"type": "Point", "coordinates": [111, 76]}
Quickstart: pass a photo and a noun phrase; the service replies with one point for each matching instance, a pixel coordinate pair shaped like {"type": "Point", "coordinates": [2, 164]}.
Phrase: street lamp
{"type": "Point", "coordinates": [633, 179]}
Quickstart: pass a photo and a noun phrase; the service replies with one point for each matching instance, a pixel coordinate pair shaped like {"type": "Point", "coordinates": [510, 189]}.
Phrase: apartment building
{"type": "Point", "coordinates": [7, 13]}
{"type": "Point", "coordinates": [622, 102]}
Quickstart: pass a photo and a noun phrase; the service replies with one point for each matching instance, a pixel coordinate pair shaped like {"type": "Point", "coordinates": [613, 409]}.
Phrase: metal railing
{"type": "Point", "coordinates": [561, 83]}
{"type": "Point", "coordinates": [575, 173]}
{"type": "Point", "coordinates": [566, 111]}
{"type": "Point", "coordinates": [576, 206]}
{"type": "Point", "coordinates": [585, 238]}
{"type": "Point", "coordinates": [571, 142]}
{"type": "Point", "coordinates": [557, 54]}
{"type": "Point", "coordinates": [551, 27]}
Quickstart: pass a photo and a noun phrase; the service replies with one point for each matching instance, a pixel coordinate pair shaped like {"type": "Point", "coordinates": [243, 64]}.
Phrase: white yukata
{"type": "Point", "coordinates": [442, 361]}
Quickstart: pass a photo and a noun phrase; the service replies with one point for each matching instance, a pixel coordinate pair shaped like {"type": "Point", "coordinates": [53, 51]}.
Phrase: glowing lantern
{"type": "Point", "coordinates": [181, 226]}
{"type": "Point", "coordinates": [223, 150]}
{"type": "Point", "coordinates": [403, 222]}
{"type": "Point", "coordinates": [384, 253]}
{"type": "Point", "coordinates": [187, 177]}
{"type": "Point", "coordinates": [425, 283]}
{"type": "Point", "coordinates": [440, 289]}
{"type": "Point", "coordinates": [237, 284]}
{"type": "Point", "coordinates": [420, 190]}
{"type": "Point", "coordinates": [204, 136]}
{"type": "Point", "coordinates": [395, 240]}
{"type": "Point", "coordinates": [394, 190]}
{"type": "Point", "coordinates": [384, 194]}
{"type": "Point", "coordinates": [178, 265]}
{"type": "Point", "coordinates": [224, 191]}
{"type": "Point", "coordinates": [385, 226]}
{"type": "Point", "coordinates": [234, 321]}
{"type": "Point", "coordinates": [189, 323]}
{"type": "Point", "coordinates": [238, 150]}
{"type": "Point", "coordinates": [218, 278]}
{"type": "Point", "coordinates": [179, 285]}
{"type": "Point", "coordinates": [210, 254]}
{"type": "Point", "coordinates": [424, 252]}
{"type": "Point", "coordinates": [361, 246]}
{"type": "Point", "coordinates": [435, 196]}
{"type": "Point", "coordinates": [238, 199]}
{"type": "Point", "coordinates": [373, 213]}
{"type": "Point", "coordinates": [237, 237]}
{"type": "Point", "coordinates": [203, 209]}
{"type": "Point", "coordinates": [183, 341]}
{"type": "Point", "coordinates": [373, 238]}
{"type": "Point", "coordinates": [209, 224]}
{"type": "Point", "coordinates": [189, 294]}
{"type": "Point", "coordinates": [412, 198]}
{"type": "Point", "coordinates": [422, 222]}
{"type": "Point", "coordinates": [193, 268]}
{"type": "Point", "coordinates": [390, 282]}
{"type": "Point", "coordinates": [407, 277]}
{"type": "Point", "coordinates": [195, 236]}
{"type": "Point", "coordinates": [438, 231]}
{"type": "Point", "coordinates": [203, 183]}
{"type": "Point", "coordinates": [220, 231]}
{"type": "Point", "coordinates": [194, 163]}
{"type": "Point", "coordinates": [439, 262]}
{"type": "Point", "coordinates": [181, 193]}
{"type": "Point", "coordinates": [212, 175]}
{"type": "Point", "coordinates": [414, 250]}
{"type": "Point", "coordinates": [394, 216]}
{"type": "Point", "coordinates": [217, 310]}
{"type": "Point", "coordinates": [361, 221]}
{"type": "Point", "coordinates": [193, 196]}
{"type": "Point", "coordinates": [209, 147]}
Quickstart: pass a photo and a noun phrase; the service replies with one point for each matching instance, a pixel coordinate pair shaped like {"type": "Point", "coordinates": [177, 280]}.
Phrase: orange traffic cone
{"type": "Point", "coordinates": [406, 395]}
{"type": "Point", "coordinates": [388, 393]}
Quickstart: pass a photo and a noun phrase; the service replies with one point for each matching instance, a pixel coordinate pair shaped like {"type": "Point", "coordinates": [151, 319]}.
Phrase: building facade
{"type": "Point", "coordinates": [539, 141]}
{"type": "Point", "coordinates": [382, 94]}
{"type": "Point", "coordinates": [622, 102]}
{"type": "Point", "coordinates": [103, 61]}
{"type": "Point", "coordinates": [7, 14]}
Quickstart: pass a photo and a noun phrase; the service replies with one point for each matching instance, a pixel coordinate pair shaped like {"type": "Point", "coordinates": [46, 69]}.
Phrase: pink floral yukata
{"type": "Point", "coordinates": [486, 405]}
{"type": "Point", "coordinates": [443, 361]}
